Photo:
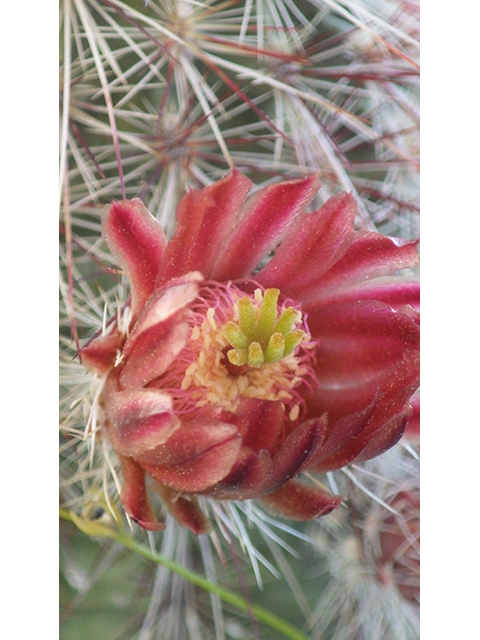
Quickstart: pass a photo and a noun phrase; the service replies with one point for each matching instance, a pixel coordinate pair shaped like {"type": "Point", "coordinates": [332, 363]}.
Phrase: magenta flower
{"type": "Point", "coordinates": [237, 373]}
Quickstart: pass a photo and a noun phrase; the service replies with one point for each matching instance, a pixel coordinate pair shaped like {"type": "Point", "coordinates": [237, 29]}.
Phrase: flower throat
{"type": "Point", "coordinates": [242, 346]}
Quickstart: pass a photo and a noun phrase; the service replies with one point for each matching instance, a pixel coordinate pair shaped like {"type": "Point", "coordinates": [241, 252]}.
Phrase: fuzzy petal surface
{"type": "Point", "coordinates": [164, 304]}
{"type": "Point", "coordinates": [137, 241]}
{"type": "Point", "coordinates": [204, 220]}
{"type": "Point", "coordinates": [298, 449]}
{"type": "Point", "coordinates": [397, 292]}
{"type": "Point", "coordinates": [251, 474]}
{"type": "Point", "coordinates": [262, 225]}
{"type": "Point", "coordinates": [134, 496]}
{"type": "Point", "coordinates": [154, 351]}
{"type": "Point", "coordinates": [195, 457]}
{"type": "Point", "coordinates": [313, 244]}
{"type": "Point", "coordinates": [186, 511]}
{"type": "Point", "coordinates": [359, 341]}
{"type": "Point", "coordinates": [370, 255]}
{"type": "Point", "coordinates": [99, 355]}
{"type": "Point", "coordinates": [140, 420]}
{"type": "Point", "coordinates": [259, 422]}
{"type": "Point", "coordinates": [298, 501]}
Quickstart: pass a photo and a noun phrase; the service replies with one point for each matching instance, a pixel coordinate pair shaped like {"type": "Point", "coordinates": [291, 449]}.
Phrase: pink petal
{"type": "Point", "coordinates": [154, 351]}
{"type": "Point", "coordinates": [412, 430]}
{"type": "Point", "coordinates": [370, 255]}
{"type": "Point", "coordinates": [204, 220]}
{"type": "Point", "coordinates": [251, 474]}
{"type": "Point", "coordinates": [139, 420]}
{"type": "Point", "coordinates": [262, 225]}
{"type": "Point", "coordinates": [134, 496]}
{"type": "Point", "coordinates": [163, 304]}
{"type": "Point", "coordinates": [375, 429]}
{"type": "Point", "coordinates": [99, 355]}
{"type": "Point", "coordinates": [313, 243]}
{"type": "Point", "coordinates": [137, 241]}
{"type": "Point", "coordinates": [298, 501]}
{"type": "Point", "coordinates": [384, 438]}
{"type": "Point", "coordinates": [397, 292]}
{"type": "Point", "coordinates": [359, 340]}
{"type": "Point", "coordinates": [185, 510]}
{"type": "Point", "coordinates": [341, 441]}
{"type": "Point", "coordinates": [297, 450]}
{"type": "Point", "coordinates": [195, 457]}
{"type": "Point", "coordinates": [260, 423]}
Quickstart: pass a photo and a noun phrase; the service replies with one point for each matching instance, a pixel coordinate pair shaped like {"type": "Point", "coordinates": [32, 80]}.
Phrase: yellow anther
{"type": "Point", "coordinates": [275, 348]}
{"type": "Point", "coordinates": [255, 355]}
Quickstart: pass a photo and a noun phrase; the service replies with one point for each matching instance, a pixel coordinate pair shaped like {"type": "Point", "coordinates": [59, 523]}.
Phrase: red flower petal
{"type": "Point", "coordinates": [373, 430]}
{"type": "Point", "coordinates": [250, 475]}
{"type": "Point", "coordinates": [137, 241]}
{"type": "Point", "coordinates": [204, 219]}
{"type": "Point", "coordinates": [298, 501]}
{"type": "Point", "coordinates": [370, 255]}
{"type": "Point", "coordinates": [412, 430]}
{"type": "Point", "coordinates": [340, 443]}
{"type": "Point", "coordinates": [134, 496]}
{"type": "Point", "coordinates": [262, 225]}
{"type": "Point", "coordinates": [298, 449]}
{"type": "Point", "coordinates": [195, 457]}
{"type": "Point", "coordinates": [312, 245]}
{"type": "Point", "coordinates": [154, 351]}
{"type": "Point", "coordinates": [99, 355]}
{"type": "Point", "coordinates": [385, 438]}
{"type": "Point", "coordinates": [139, 420]}
{"type": "Point", "coordinates": [359, 340]}
{"type": "Point", "coordinates": [259, 422]}
{"type": "Point", "coordinates": [185, 511]}
{"type": "Point", "coordinates": [397, 292]}
{"type": "Point", "coordinates": [163, 304]}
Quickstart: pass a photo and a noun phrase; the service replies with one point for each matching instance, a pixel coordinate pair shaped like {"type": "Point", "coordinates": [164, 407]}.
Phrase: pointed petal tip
{"type": "Point", "coordinates": [185, 510]}
{"type": "Point", "coordinates": [298, 501]}
{"type": "Point", "coordinates": [98, 356]}
{"type": "Point", "coordinates": [134, 496]}
{"type": "Point", "coordinates": [137, 241]}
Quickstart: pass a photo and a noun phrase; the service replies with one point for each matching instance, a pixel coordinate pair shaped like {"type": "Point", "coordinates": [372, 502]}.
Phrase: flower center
{"type": "Point", "coordinates": [259, 337]}
{"type": "Point", "coordinates": [244, 346]}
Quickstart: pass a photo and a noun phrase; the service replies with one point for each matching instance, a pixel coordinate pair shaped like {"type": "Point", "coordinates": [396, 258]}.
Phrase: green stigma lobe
{"type": "Point", "coordinates": [255, 355]}
{"type": "Point", "coordinates": [293, 340]}
{"type": "Point", "coordinates": [275, 348]}
{"type": "Point", "coordinates": [268, 315]}
{"type": "Point", "coordinates": [247, 320]}
{"type": "Point", "coordinates": [235, 336]}
{"type": "Point", "coordinates": [286, 321]}
{"type": "Point", "coordinates": [259, 336]}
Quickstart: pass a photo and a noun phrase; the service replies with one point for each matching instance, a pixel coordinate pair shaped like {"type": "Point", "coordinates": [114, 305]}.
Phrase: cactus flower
{"type": "Point", "coordinates": [263, 341]}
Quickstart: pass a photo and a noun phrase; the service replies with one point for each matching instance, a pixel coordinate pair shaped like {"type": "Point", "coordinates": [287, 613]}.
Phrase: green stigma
{"type": "Point", "coordinates": [259, 337]}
